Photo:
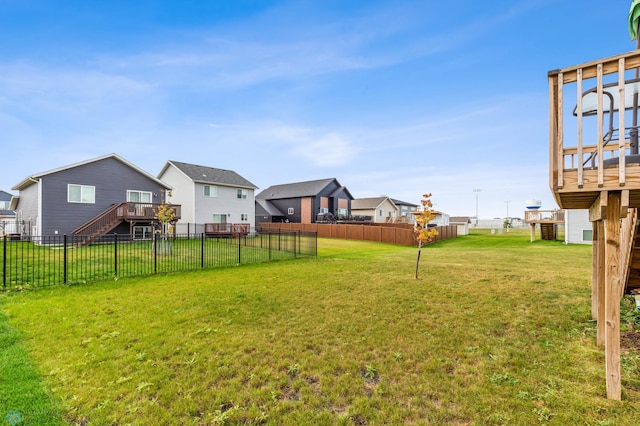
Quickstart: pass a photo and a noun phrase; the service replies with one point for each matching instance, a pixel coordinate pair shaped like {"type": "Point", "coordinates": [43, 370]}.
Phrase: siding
{"type": "Point", "coordinates": [111, 180]}
{"type": "Point", "coordinates": [28, 208]}
{"type": "Point", "coordinates": [183, 193]}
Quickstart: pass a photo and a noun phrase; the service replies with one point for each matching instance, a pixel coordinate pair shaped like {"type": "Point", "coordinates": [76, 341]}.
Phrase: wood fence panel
{"type": "Point", "coordinates": [401, 234]}
{"type": "Point", "coordinates": [355, 232]}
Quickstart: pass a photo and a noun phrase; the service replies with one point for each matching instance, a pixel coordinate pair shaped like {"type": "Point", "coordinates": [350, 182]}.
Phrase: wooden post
{"type": "Point", "coordinates": [533, 232]}
{"type": "Point", "coordinates": [595, 255]}
{"type": "Point", "coordinates": [599, 272]}
{"type": "Point", "coordinates": [612, 296]}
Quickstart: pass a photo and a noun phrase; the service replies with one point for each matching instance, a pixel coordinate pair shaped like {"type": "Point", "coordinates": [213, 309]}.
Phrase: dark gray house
{"type": "Point", "coordinates": [302, 202]}
{"type": "Point", "coordinates": [102, 195]}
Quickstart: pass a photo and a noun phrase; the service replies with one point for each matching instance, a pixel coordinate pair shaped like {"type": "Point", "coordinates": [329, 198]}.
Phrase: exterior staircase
{"type": "Point", "coordinates": [118, 213]}
{"type": "Point", "coordinates": [99, 225]}
{"type": "Point", "coordinates": [632, 279]}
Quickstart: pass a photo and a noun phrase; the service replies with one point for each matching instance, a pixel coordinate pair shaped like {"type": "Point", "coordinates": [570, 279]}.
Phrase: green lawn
{"type": "Point", "coordinates": [496, 331]}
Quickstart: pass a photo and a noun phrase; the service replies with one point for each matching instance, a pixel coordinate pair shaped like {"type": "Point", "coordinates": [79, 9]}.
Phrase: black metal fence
{"type": "Point", "coordinates": [64, 259]}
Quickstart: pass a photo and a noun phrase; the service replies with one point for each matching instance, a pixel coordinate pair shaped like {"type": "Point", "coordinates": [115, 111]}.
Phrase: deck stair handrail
{"type": "Point", "coordinates": [118, 213]}
{"type": "Point", "coordinates": [108, 217]}
{"type": "Point", "coordinates": [628, 250]}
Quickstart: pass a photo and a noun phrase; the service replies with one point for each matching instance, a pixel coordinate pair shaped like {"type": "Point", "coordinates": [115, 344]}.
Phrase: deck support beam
{"type": "Point", "coordinates": [609, 304]}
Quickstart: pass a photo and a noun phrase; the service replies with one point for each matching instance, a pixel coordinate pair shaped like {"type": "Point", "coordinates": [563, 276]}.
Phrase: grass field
{"type": "Point", "coordinates": [497, 331]}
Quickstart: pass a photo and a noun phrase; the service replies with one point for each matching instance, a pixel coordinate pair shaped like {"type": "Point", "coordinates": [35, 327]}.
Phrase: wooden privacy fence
{"type": "Point", "coordinates": [401, 234]}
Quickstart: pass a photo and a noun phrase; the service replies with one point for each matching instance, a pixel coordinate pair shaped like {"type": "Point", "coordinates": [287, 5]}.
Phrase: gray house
{"type": "Point", "coordinates": [302, 202]}
{"type": "Point", "coordinates": [102, 195]}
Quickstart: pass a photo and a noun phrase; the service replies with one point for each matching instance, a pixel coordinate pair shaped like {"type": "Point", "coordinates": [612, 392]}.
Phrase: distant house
{"type": "Point", "coordinates": [577, 227]}
{"type": "Point", "coordinates": [8, 224]}
{"type": "Point", "coordinates": [379, 209]}
{"type": "Point", "coordinates": [71, 199]}
{"type": "Point", "coordinates": [302, 202]}
{"type": "Point", "coordinates": [461, 223]}
{"type": "Point", "coordinates": [405, 210]}
{"type": "Point", "coordinates": [440, 219]}
{"type": "Point", "coordinates": [210, 195]}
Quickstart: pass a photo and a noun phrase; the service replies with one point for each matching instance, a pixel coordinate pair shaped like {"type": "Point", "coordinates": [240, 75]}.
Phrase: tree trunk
{"type": "Point", "coordinates": [417, 262]}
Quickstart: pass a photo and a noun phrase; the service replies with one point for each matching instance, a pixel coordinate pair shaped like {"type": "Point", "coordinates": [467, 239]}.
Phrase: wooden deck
{"type": "Point", "coordinates": [595, 165]}
{"type": "Point", "coordinates": [587, 133]}
{"type": "Point", "coordinates": [232, 230]}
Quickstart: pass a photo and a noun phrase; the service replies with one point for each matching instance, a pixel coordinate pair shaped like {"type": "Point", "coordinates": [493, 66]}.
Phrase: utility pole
{"type": "Point", "coordinates": [476, 191]}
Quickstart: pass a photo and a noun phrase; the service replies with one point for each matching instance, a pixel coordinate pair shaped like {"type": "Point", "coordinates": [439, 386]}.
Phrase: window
{"type": "Point", "coordinates": [290, 210]}
{"type": "Point", "coordinates": [219, 218]}
{"type": "Point", "coordinates": [342, 212]}
{"type": "Point", "coordinates": [81, 194]}
{"type": "Point", "coordinates": [210, 191]}
{"type": "Point", "coordinates": [381, 213]}
{"type": "Point", "coordinates": [587, 235]}
{"type": "Point", "coordinates": [242, 194]}
{"type": "Point", "coordinates": [324, 210]}
{"type": "Point", "coordinates": [4, 205]}
{"type": "Point", "coordinates": [142, 232]}
{"type": "Point", "coordinates": [244, 217]}
{"type": "Point", "coordinates": [139, 196]}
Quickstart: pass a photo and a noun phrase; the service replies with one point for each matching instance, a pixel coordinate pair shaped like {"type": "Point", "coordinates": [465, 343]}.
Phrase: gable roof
{"type": "Point", "coordinates": [300, 189]}
{"type": "Point", "coordinates": [268, 208]}
{"type": "Point", "coordinates": [369, 203]}
{"type": "Point", "coordinates": [459, 219]}
{"type": "Point", "coordinates": [5, 196]}
{"type": "Point", "coordinates": [403, 203]}
{"type": "Point", "coordinates": [204, 174]}
{"type": "Point", "coordinates": [28, 181]}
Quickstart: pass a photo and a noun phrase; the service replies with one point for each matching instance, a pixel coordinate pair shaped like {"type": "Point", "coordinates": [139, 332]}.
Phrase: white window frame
{"type": "Point", "coordinates": [140, 194]}
{"type": "Point", "coordinates": [290, 211]}
{"type": "Point", "coordinates": [324, 210]}
{"type": "Point", "coordinates": [210, 191]}
{"type": "Point", "coordinates": [87, 194]}
{"type": "Point", "coordinates": [342, 212]}
{"type": "Point", "coordinates": [242, 194]}
{"type": "Point", "coordinates": [588, 232]}
{"type": "Point", "coordinates": [147, 232]}
{"type": "Point", "coordinates": [244, 217]}
{"type": "Point", "coordinates": [219, 218]}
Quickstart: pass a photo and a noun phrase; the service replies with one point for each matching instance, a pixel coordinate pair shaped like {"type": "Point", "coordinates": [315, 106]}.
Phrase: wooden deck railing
{"type": "Point", "coordinates": [544, 216]}
{"type": "Point", "coordinates": [128, 211]}
{"type": "Point", "coordinates": [227, 229]}
{"type": "Point", "coordinates": [592, 146]}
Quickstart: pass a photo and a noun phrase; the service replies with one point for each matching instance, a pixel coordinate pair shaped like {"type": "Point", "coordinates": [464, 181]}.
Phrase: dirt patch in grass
{"type": "Point", "coordinates": [630, 339]}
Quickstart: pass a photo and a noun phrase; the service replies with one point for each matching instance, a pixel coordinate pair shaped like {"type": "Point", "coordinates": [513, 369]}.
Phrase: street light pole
{"type": "Point", "coordinates": [476, 191]}
{"type": "Point", "coordinates": [508, 220]}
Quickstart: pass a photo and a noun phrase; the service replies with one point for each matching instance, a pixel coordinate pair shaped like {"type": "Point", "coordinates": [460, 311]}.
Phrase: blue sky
{"type": "Point", "coordinates": [391, 98]}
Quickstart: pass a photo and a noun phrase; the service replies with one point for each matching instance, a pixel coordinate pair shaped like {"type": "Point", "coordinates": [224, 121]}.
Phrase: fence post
{"type": "Point", "coordinates": [115, 255]}
{"type": "Point", "coordinates": [295, 249]}
{"type": "Point", "coordinates": [155, 253]}
{"type": "Point", "coordinates": [202, 250]}
{"type": "Point", "coordinates": [269, 243]}
{"type": "Point", "coordinates": [4, 262]}
{"type": "Point", "coordinates": [239, 252]}
{"type": "Point", "coordinates": [64, 262]}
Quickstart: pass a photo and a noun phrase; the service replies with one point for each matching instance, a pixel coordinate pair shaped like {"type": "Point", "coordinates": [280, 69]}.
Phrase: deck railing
{"type": "Point", "coordinates": [544, 216]}
{"type": "Point", "coordinates": [124, 211]}
{"type": "Point", "coordinates": [593, 128]}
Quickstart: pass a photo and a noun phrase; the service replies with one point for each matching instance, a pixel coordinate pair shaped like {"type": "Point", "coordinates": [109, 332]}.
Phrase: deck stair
{"type": "Point", "coordinates": [632, 272]}
{"type": "Point", "coordinates": [99, 225]}
{"type": "Point", "coordinates": [116, 214]}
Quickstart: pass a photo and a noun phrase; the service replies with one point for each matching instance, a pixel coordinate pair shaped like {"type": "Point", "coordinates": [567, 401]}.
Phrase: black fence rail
{"type": "Point", "coordinates": [66, 259]}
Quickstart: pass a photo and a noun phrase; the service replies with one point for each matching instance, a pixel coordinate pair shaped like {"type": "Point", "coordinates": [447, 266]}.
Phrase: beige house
{"type": "Point", "coordinates": [379, 209]}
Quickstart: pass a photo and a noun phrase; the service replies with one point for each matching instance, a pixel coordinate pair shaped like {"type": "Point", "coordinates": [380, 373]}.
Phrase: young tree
{"type": "Point", "coordinates": [166, 216]}
{"type": "Point", "coordinates": [423, 233]}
